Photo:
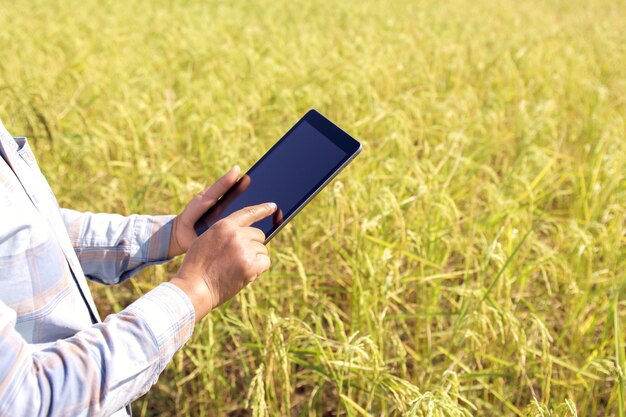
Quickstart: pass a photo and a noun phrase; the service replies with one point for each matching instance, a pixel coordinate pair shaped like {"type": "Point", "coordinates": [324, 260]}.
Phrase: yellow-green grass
{"type": "Point", "coordinates": [469, 262]}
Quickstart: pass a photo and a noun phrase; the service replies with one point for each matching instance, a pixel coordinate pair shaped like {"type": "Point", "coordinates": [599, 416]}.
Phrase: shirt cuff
{"type": "Point", "coordinates": [154, 233]}
{"type": "Point", "coordinates": [169, 315]}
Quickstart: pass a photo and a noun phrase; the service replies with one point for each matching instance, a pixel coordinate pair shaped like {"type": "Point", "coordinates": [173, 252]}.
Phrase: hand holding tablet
{"type": "Point", "coordinates": [290, 174]}
{"type": "Point", "coordinates": [228, 255]}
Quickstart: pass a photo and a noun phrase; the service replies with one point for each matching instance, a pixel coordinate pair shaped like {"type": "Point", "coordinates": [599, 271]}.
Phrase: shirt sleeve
{"type": "Point", "coordinates": [99, 370]}
{"type": "Point", "coordinates": [112, 248]}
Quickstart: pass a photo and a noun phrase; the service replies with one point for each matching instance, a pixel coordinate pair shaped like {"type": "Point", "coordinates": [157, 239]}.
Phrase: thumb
{"type": "Point", "coordinates": [209, 196]}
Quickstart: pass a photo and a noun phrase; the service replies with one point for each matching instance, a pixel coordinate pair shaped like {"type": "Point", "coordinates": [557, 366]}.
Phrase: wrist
{"type": "Point", "coordinates": [174, 248]}
{"type": "Point", "coordinates": [198, 293]}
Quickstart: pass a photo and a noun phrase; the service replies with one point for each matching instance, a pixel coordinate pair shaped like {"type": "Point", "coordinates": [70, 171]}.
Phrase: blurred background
{"type": "Point", "coordinates": [470, 262]}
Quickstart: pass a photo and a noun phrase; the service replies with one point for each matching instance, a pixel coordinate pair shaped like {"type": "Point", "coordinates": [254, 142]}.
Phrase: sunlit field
{"type": "Point", "coordinates": [470, 262]}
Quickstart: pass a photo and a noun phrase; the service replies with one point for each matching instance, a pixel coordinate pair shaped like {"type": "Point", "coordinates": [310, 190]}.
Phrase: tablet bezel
{"type": "Point", "coordinates": [332, 132]}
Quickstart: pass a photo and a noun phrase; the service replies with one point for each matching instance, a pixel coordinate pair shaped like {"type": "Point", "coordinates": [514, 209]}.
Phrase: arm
{"type": "Point", "coordinates": [98, 370]}
{"type": "Point", "coordinates": [112, 248]}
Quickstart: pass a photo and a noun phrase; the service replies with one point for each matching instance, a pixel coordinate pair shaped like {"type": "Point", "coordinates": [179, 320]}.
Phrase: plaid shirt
{"type": "Point", "coordinates": [56, 357]}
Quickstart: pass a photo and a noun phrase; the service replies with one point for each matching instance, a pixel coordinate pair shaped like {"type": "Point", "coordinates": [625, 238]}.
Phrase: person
{"type": "Point", "coordinates": [57, 358]}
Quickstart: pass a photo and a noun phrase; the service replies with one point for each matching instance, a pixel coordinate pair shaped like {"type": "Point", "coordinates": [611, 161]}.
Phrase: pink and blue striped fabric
{"type": "Point", "coordinates": [56, 356]}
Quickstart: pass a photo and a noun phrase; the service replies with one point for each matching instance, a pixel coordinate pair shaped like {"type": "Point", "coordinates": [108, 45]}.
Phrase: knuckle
{"type": "Point", "coordinates": [246, 262]}
{"type": "Point", "coordinates": [242, 253]}
{"type": "Point", "coordinates": [226, 223]}
{"type": "Point", "coordinates": [201, 196]}
{"type": "Point", "coordinates": [222, 182]}
{"type": "Point", "coordinates": [250, 265]}
{"type": "Point", "coordinates": [224, 227]}
{"type": "Point", "coordinates": [220, 225]}
{"type": "Point", "coordinates": [250, 257]}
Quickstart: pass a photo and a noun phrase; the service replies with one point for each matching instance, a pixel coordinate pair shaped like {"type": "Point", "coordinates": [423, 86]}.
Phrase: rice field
{"type": "Point", "coordinates": [470, 262]}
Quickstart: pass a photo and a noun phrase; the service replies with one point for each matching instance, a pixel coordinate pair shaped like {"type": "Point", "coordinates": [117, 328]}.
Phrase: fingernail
{"type": "Point", "coordinates": [273, 206]}
{"type": "Point", "coordinates": [236, 168]}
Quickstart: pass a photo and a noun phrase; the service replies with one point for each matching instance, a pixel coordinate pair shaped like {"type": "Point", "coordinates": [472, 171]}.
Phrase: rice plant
{"type": "Point", "coordinates": [470, 262]}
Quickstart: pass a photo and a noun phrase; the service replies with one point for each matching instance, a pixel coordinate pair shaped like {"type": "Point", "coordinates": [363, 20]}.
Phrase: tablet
{"type": "Point", "coordinates": [290, 174]}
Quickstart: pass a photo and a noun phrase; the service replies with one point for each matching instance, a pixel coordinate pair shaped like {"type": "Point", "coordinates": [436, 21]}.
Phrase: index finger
{"type": "Point", "coordinates": [252, 214]}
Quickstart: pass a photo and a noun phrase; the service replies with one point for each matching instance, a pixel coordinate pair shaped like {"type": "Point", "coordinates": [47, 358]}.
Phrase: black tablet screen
{"type": "Point", "coordinates": [287, 175]}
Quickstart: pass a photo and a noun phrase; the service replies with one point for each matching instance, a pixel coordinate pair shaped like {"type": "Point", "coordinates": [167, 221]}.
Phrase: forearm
{"type": "Point", "coordinates": [99, 370]}
{"type": "Point", "coordinates": [112, 248]}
